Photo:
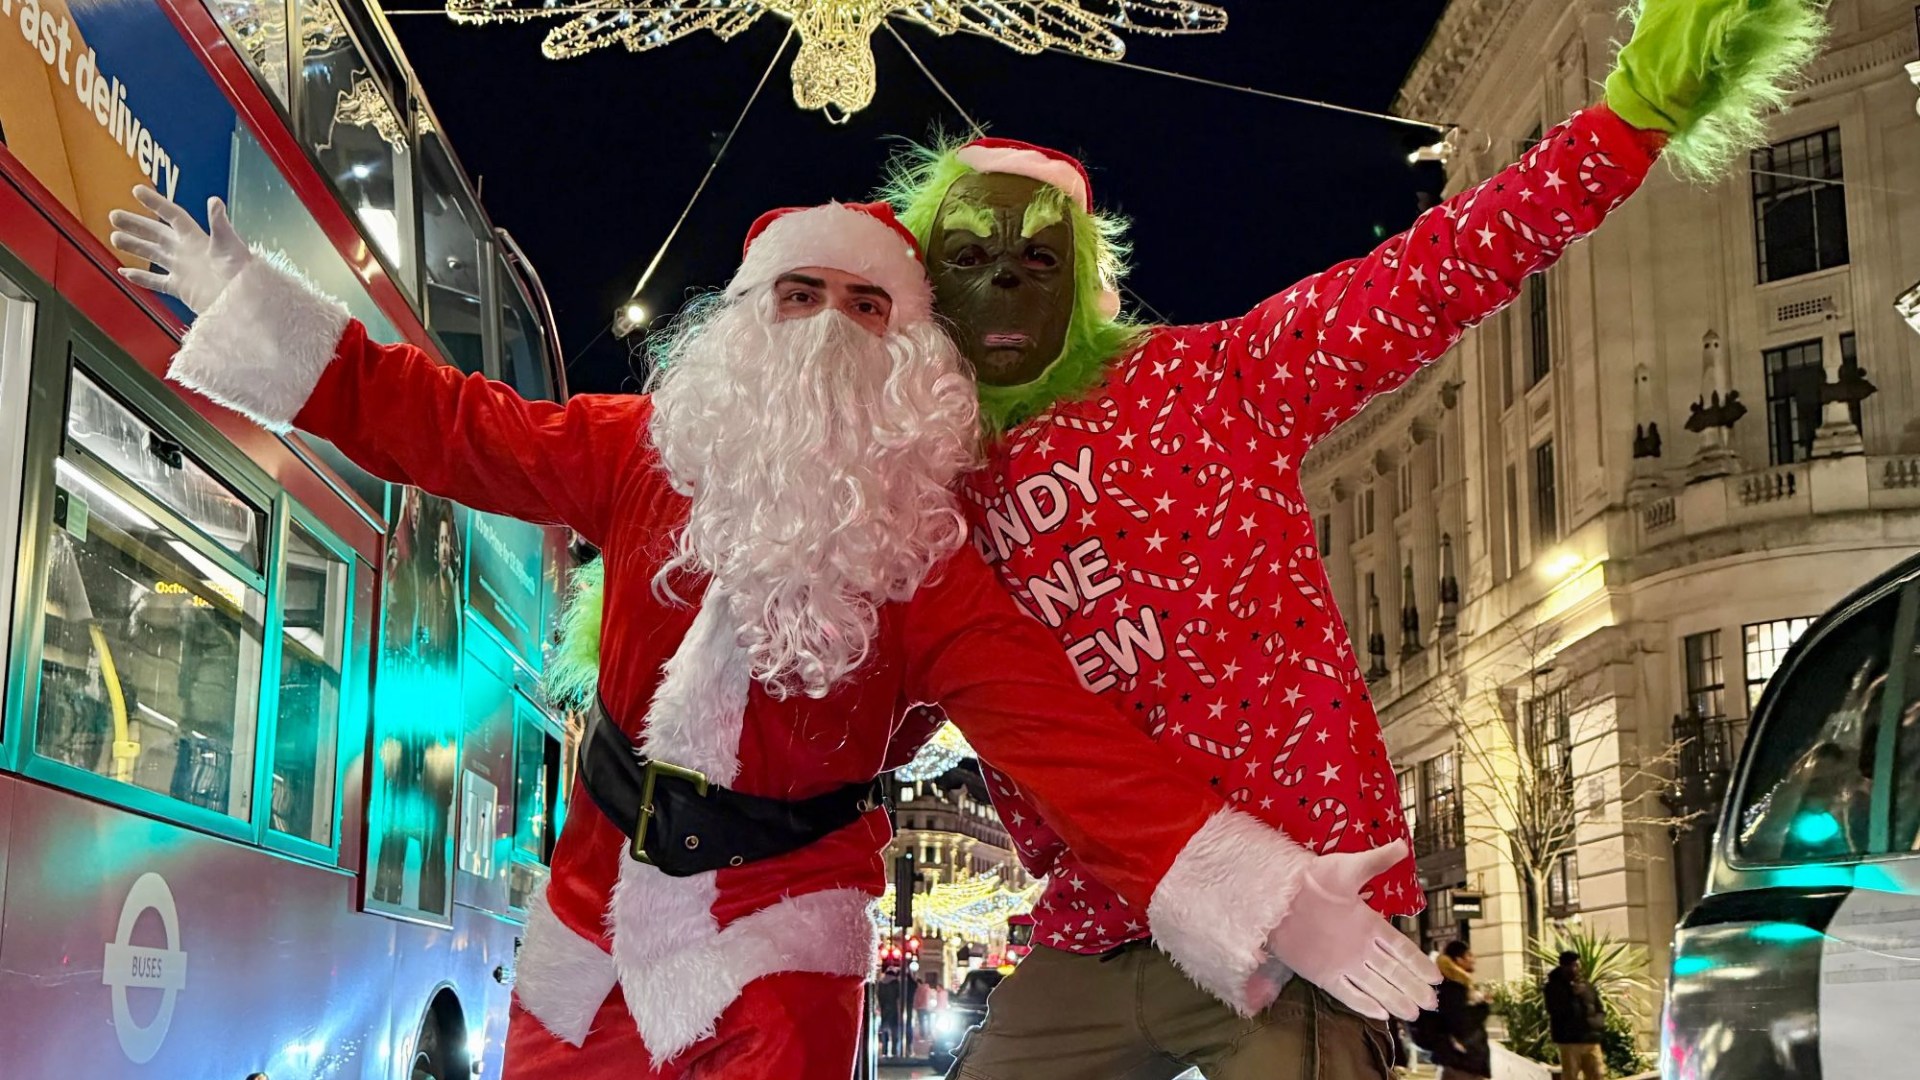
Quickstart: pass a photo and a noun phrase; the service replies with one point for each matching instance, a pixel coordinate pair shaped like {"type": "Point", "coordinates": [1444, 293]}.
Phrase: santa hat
{"type": "Point", "coordinates": [1055, 168]}
{"type": "Point", "coordinates": [858, 238]}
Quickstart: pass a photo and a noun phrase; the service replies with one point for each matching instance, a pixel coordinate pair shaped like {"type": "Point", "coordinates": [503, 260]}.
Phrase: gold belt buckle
{"type": "Point", "coordinates": [654, 770]}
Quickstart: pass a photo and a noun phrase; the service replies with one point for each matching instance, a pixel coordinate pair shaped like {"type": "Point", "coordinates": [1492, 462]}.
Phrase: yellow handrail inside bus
{"type": "Point", "coordinates": [126, 748]}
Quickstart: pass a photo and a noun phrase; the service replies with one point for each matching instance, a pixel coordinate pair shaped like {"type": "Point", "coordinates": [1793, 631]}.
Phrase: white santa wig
{"type": "Point", "coordinates": [817, 455]}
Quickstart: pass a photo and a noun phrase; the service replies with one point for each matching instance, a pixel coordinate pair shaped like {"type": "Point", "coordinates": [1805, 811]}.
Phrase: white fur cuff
{"type": "Point", "coordinates": [561, 977]}
{"type": "Point", "coordinates": [261, 347]}
{"type": "Point", "coordinates": [1228, 889]}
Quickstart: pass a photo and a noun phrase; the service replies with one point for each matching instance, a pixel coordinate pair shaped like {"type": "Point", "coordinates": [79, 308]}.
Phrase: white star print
{"type": "Point", "coordinates": [1126, 439]}
{"type": "Point", "coordinates": [1293, 696]}
{"type": "Point", "coordinates": [1085, 519]}
{"type": "Point", "coordinates": [1272, 731]}
{"type": "Point", "coordinates": [1154, 541]}
{"type": "Point", "coordinates": [1329, 774]}
{"type": "Point", "coordinates": [1554, 181]}
{"type": "Point", "coordinates": [1232, 669]}
{"type": "Point", "coordinates": [1077, 884]}
{"type": "Point", "coordinates": [1164, 504]}
{"type": "Point", "coordinates": [1247, 525]}
{"type": "Point", "coordinates": [1214, 710]}
{"type": "Point", "coordinates": [1207, 598]}
{"type": "Point", "coordinates": [1486, 236]}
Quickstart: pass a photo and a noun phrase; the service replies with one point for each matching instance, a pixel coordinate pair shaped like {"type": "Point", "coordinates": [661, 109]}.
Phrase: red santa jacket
{"type": "Point", "coordinates": [683, 948]}
{"type": "Point", "coordinates": [1158, 527]}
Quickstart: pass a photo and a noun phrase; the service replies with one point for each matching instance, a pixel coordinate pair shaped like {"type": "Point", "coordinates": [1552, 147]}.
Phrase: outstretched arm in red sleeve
{"type": "Point", "coordinates": [1215, 882]}
{"type": "Point", "coordinates": [1315, 354]}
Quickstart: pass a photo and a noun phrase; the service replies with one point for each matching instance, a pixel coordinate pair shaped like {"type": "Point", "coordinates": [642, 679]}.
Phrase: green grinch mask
{"type": "Point", "coordinates": [1002, 261]}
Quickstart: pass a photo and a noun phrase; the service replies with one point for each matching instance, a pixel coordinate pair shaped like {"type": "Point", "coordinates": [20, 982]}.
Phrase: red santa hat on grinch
{"type": "Point", "coordinates": [858, 238]}
{"type": "Point", "coordinates": [1052, 167]}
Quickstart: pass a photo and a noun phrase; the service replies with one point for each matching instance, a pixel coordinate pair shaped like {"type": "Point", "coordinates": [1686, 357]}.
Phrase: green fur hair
{"type": "Point", "coordinates": [573, 670]}
{"type": "Point", "coordinates": [917, 183]}
{"type": "Point", "coordinates": [1709, 71]}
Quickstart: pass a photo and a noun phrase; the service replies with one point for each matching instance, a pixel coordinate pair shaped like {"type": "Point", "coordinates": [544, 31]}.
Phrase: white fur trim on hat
{"type": "Point", "coordinates": [1030, 164]}
{"type": "Point", "coordinates": [840, 238]}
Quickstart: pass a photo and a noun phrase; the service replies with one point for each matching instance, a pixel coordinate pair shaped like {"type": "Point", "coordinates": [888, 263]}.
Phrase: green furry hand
{"type": "Point", "coordinates": [1707, 72]}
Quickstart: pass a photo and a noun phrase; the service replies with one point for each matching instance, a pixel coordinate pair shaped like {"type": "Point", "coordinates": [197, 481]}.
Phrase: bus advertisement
{"type": "Point", "coordinates": [276, 779]}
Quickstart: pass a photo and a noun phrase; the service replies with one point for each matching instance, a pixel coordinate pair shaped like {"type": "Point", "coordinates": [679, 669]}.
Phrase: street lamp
{"type": "Point", "coordinates": [629, 317]}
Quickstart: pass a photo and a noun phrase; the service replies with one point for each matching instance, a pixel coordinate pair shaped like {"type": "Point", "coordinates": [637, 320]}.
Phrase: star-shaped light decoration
{"type": "Point", "coordinates": [834, 70]}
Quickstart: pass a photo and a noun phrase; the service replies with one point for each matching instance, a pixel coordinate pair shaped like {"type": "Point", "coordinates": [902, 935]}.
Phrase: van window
{"type": "Point", "coordinates": [1809, 791]}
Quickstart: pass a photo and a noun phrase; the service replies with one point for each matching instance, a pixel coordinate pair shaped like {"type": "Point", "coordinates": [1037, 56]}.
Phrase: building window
{"type": "Point", "coordinates": [1795, 377]}
{"type": "Point", "coordinates": [1438, 924]}
{"type": "Point", "coordinates": [1549, 736]}
{"type": "Point", "coordinates": [1442, 820]}
{"type": "Point", "coordinates": [1706, 675]}
{"type": "Point", "coordinates": [1563, 887]}
{"type": "Point", "coordinates": [1406, 487]}
{"type": "Point", "coordinates": [1363, 514]}
{"type": "Point", "coordinates": [1799, 206]}
{"type": "Point", "coordinates": [1513, 521]}
{"type": "Point", "coordinates": [1539, 341]}
{"type": "Point", "coordinates": [1766, 646]}
{"type": "Point", "coordinates": [1409, 781]}
{"type": "Point", "coordinates": [1546, 507]}
{"type": "Point", "coordinates": [1323, 530]}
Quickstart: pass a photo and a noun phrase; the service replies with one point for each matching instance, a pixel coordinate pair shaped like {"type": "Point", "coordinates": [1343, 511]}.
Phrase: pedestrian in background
{"type": "Point", "coordinates": [1577, 1019]}
{"type": "Point", "coordinates": [1460, 1046]}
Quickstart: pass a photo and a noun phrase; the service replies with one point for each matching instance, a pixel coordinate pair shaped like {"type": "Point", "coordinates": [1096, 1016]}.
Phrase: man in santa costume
{"type": "Point", "coordinates": [1144, 503]}
{"type": "Point", "coordinates": [776, 526]}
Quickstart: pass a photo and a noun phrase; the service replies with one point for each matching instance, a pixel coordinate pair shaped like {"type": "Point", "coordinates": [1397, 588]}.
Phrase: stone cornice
{"type": "Point", "coordinates": [1860, 57]}
{"type": "Point", "coordinates": [1420, 395]}
{"type": "Point", "coordinates": [1466, 32]}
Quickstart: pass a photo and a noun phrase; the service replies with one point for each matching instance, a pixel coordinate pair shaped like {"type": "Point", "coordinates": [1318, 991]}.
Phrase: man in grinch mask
{"type": "Point", "coordinates": [1144, 502]}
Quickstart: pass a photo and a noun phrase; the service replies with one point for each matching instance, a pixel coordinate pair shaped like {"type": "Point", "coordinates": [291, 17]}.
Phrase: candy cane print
{"type": "Point", "coordinates": [1279, 432]}
{"type": "Point", "coordinates": [1218, 515]}
{"type": "Point", "coordinates": [1588, 165]}
{"type": "Point", "coordinates": [1282, 775]}
{"type": "Point", "coordinates": [1109, 416]}
{"type": "Point", "coordinates": [1193, 661]}
{"type": "Point", "coordinates": [1244, 732]}
{"type": "Point", "coordinates": [1534, 236]}
{"type": "Point", "coordinates": [1165, 444]}
{"type": "Point", "coordinates": [1425, 328]}
{"type": "Point", "coordinates": [1280, 499]}
{"type": "Point", "coordinates": [1452, 265]}
{"type": "Point", "coordinates": [1335, 361]}
{"type": "Point", "coordinates": [1241, 795]}
{"type": "Point", "coordinates": [1337, 829]}
{"type": "Point", "coordinates": [1306, 588]}
{"type": "Point", "coordinates": [1316, 666]}
{"type": "Point", "coordinates": [1121, 467]}
{"type": "Point", "coordinates": [1237, 601]}
{"type": "Point", "coordinates": [1156, 721]}
{"type": "Point", "coordinates": [1189, 562]}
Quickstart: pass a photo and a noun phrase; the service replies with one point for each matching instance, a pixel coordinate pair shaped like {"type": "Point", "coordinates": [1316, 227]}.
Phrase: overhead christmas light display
{"type": "Point", "coordinates": [946, 749]}
{"type": "Point", "coordinates": [834, 70]}
{"type": "Point", "coordinates": [973, 909]}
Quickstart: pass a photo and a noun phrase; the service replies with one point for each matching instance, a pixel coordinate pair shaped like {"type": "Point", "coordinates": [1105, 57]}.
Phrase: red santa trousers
{"type": "Point", "coordinates": [791, 1026]}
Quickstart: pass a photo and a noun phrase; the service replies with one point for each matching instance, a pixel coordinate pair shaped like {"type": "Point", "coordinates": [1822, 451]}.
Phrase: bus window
{"type": "Point", "coordinates": [537, 793]}
{"type": "Point", "coordinates": [258, 30]}
{"type": "Point", "coordinates": [312, 655]}
{"type": "Point", "coordinates": [16, 360]}
{"type": "Point", "coordinates": [358, 137]}
{"type": "Point", "coordinates": [110, 432]}
{"type": "Point", "coordinates": [150, 670]}
{"type": "Point", "coordinates": [453, 258]}
{"type": "Point", "coordinates": [523, 354]}
{"type": "Point", "coordinates": [1809, 791]}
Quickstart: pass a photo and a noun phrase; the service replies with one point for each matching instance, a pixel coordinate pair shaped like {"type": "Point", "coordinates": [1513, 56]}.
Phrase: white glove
{"type": "Point", "coordinates": [199, 265]}
{"type": "Point", "coordinates": [1332, 939]}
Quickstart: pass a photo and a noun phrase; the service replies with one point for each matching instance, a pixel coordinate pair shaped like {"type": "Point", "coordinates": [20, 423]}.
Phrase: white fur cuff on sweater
{"type": "Point", "coordinates": [261, 347]}
{"type": "Point", "coordinates": [1228, 889]}
{"type": "Point", "coordinates": [561, 977]}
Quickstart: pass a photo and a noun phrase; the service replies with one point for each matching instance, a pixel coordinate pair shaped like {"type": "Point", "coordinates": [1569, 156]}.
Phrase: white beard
{"type": "Point", "coordinates": [818, 459]}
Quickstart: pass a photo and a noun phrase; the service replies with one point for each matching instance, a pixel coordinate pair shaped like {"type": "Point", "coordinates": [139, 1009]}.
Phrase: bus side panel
{"type": "Point", "coordinates": [131, 947]}
{"type": "Point", "coordinates": [474, 961]}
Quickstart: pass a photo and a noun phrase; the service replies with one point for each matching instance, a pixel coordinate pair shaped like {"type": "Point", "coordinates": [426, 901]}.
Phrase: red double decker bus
{"type": "Point", "coordinates": [276, 782]}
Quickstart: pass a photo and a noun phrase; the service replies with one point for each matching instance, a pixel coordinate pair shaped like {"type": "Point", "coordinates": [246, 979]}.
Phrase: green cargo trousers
{"type": "Point", "coordinates": [1132, 1015]}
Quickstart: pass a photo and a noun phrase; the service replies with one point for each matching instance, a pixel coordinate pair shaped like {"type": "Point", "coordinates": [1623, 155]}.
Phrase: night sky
{"type": "Point", "coordinates": [589, 161]}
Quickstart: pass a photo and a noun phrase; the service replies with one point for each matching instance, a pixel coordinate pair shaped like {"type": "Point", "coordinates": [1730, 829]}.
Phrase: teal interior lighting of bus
{"type": "Point", "coordinates": [1691, 965]}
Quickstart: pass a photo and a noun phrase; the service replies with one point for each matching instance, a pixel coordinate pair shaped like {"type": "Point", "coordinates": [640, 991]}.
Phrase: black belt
{"type": "Point", "coordinates": [680, 822]}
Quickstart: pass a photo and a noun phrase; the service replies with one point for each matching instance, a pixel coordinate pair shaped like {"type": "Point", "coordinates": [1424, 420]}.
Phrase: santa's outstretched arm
{"type": "Point", "coordinates": [1233, 901]}
{"type": "Point", "coordinates": [267, 344]}
{"type": "Point", "coordinates": [1693, 84]}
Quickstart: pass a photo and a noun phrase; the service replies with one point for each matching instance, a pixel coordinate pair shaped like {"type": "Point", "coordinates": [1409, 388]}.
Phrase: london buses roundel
{"type": "Point", "coordinates": [132, 969]}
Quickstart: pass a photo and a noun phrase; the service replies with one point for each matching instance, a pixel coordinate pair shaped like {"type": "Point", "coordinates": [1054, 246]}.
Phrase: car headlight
{"type": "Point", "coordinates": [950, 1022]}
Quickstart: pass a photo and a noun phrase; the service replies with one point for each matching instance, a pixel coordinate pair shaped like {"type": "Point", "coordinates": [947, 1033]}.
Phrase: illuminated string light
{"type": "Point", "coordinates": [945, 750]}
{"type": "Point", "coordinates": [975, 909]}
{"type": "Point", "coordinates": [834, 70]}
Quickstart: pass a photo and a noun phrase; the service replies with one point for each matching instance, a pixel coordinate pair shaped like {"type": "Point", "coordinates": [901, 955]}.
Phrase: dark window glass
{"type": "Point", "coordinates": [1539, 333]}
{"type": "Point", "coordinates": [1799, 206]}
{"type": "Point", "coordinates": [1546, 505]}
